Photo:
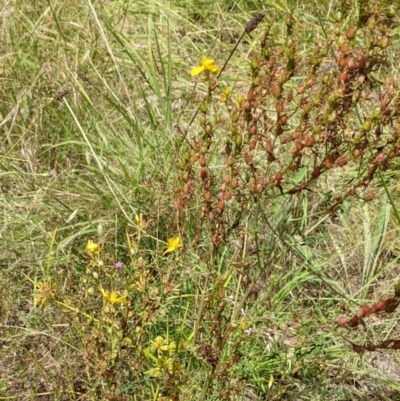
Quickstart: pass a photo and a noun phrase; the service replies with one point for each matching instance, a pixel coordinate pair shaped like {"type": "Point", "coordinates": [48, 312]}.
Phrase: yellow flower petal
{"type": "Point", "coordinates": [214, 69]}
{"type": "Point", "coordinates": [209, 65]}
{"type": "Point", "coordinates": [113, 297]}
{"type": "Point", "coordinates": [173, 244]}
{"type": "Point", "coordinates": [92, 247]}
{"type": "Point", "coordinates": [157, 344]}
{"type": "Point", "coordinates": [197, 71]}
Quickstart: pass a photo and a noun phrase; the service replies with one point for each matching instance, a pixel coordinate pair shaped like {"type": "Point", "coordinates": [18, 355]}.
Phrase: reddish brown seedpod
{"type": "Point", "coordinates": [396, 345]}
{"type": "Point", "coordinates": [362, 62]}
{"type": "Point", "coordinates": [299, 145]}
{"type": "Point", "coordinates": [279, 130]}
{"type": "Point", "coordinates": [328, 162]}
{"type": "Point", "coordinates": [269, 146]}
{"type": "Point", "coordinates": [284, 140]}
{"type": "Point", "coordinates": [344, 76]}
{"type": "Point", "coordinates": [253, 144]}
{"type": "Point", "coordinates": [379, 158]}
{"type": "Point", "coordinates": [227, 178]}
{"type": "Point", "coordinates": [278, 176]}
{"type": "Point", "coordinates": [203, 173]}
{"type": "Point", "coordinates": [345, 47]}
{"type": "Point", "coordinates": [253, 129]}
{"type": "Point", "coordinates": [366, 310]}
{"type": "Point", "coordinates": [275, 90]}
{"type": "Point", "coordinates": [351, 63]}
{"type": "Point", "coordinates": [250, 96]}
{"type": "Point", "coordinates": [279, 107]}
{"type": "Point", "coordinates": [342, 321]}
{"type": "Point", "coordinates": [341, 161]}
{"type": "Point", "coordinates": [228, 195]}
{"type": "Point", "coordinates": [379, 306]}
{"type": "Point", "coordinates": [235, 183]}
{"type": "Point", "coordinates": [300, 90]}
{"type": "Point", "coordinates": [391, 304]}
{"type": "Point", "coordinates": [248, 159]}
{"type": "Point", "coordinates": [350, 33]}
{"type": "Point", "coordinates": [221, 205]}
{"type": "Point", "coordinates": [386, 343]}
{"type": "Point", "coordinates": [296, 135]}
{"type": "Point", "coordinates": [309, 141]}
{"type": "Point", "coordinates": [282, 120]}
{"type": "Point", "coordinates": [316, 172]}
{"type": "Point", "coordinates": [183, 201]}
{"type": "Point", "coordinates": [207, 196]}
{"type": "Point", "coordinates": [354, 321]}
{"type": "Point", "coordinates": [342, 61]}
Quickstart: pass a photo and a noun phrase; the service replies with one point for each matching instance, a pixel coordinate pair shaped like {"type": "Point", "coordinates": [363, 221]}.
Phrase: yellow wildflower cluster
{"type": "Point", "coordinates": [161, 352]}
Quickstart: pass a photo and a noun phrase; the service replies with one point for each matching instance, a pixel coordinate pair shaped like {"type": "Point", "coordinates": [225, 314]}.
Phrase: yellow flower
{"type": "Point", "coordinates": [92, 247]}
{"type": "Point", "coordinates": [158, 344]}
{"type": "Point", "coordinates": [113, 297]}
{"type": "Point", "coordinates": [172, 347]}
{"type": "Point", "coordinates": [173, 244]}
{"type": "Point", "coordinates": [207, 65]}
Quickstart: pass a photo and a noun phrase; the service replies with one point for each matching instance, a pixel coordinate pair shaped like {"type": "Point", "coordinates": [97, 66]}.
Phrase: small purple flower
{"type": "Point", "coordinates": [118, 265]}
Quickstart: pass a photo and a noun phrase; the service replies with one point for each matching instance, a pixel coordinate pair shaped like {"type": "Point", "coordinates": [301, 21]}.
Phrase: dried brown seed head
{"type": "Point", "coordinates": [254, 22]}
